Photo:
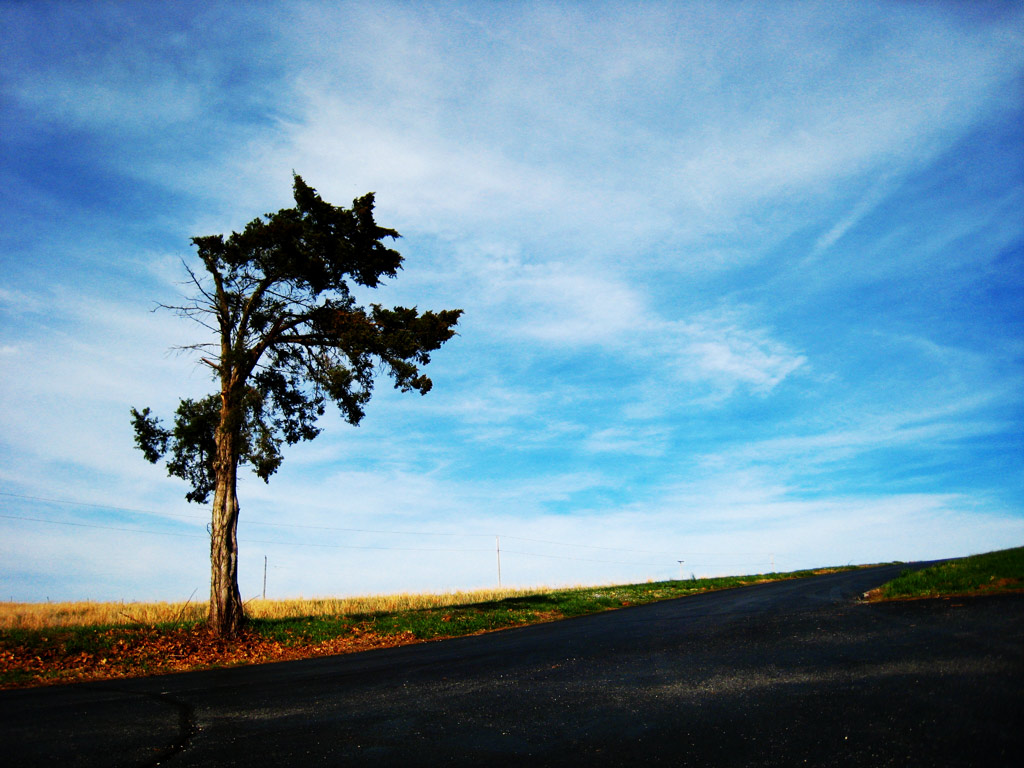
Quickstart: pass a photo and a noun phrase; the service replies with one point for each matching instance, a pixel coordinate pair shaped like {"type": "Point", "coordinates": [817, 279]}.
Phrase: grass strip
{"type": "Point", "coordinates": [992, 572]}
{"type": "Point", "coordinates": [59, 654]}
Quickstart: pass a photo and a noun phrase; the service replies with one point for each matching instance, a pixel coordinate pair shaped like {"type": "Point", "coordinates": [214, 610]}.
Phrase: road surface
{"type": "Point", "coordinates": [781, 674]}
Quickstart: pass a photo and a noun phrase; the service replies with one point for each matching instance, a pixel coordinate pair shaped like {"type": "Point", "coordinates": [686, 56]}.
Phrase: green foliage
{"type": "Point", "coordinates": [290, 337]}
{"type": "Point", "coordinates": [192, 443]}
{"type": "Point", "coordinates": [1000, 571]}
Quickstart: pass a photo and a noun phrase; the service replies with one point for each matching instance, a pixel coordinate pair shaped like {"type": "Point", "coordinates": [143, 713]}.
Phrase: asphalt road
{"type": "Point", "coordinates": [783, 674]}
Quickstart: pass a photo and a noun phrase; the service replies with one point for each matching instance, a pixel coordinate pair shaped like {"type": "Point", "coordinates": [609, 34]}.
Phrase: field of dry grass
{"type": "Point", "coordinates": [82, 614]}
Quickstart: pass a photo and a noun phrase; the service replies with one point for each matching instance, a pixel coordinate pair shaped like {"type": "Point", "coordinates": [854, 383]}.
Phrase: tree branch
{"type": "Point", "coordinates": [242, 328]}
{"type": "Point", "coordinates": [198, 284]}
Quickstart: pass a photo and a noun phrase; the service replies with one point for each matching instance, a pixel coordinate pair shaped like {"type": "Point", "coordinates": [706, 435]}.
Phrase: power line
{"type": "Point", "coordinates": [148, 512]}
{"type": "Point", "coordinates": [299, 526]}
{"type": "Point", "coordinates": [153, 513]}
{"type": "Point", "coordinates": [365, 530]}
{"type": "Point", "coordinates": [356, 546]}
{"type": "Point", "coordinates": [243, 541]}
{"type": "Point", "coordinates": [324, 545]}
{"type": "Point", "coordinates": [103, 527]}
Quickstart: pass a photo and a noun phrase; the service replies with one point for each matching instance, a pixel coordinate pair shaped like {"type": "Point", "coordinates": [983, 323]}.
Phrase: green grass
{"type": "Point", "coordinates": [58, 653]}
{"type": "Point", "coordinates": [421, 623]}
{"type": "Point", "coordinates": [472, 618]}
{"type": "Point", "coordinates": [1001, 571]}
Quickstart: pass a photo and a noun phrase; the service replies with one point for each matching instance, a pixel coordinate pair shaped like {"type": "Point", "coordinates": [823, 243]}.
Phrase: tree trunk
{"type": "Point", "coordinates": [226, 610]}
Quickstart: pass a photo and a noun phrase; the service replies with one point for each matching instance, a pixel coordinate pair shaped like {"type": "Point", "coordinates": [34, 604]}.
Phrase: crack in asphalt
{"type": "Point", "coordinates": [187, 727]}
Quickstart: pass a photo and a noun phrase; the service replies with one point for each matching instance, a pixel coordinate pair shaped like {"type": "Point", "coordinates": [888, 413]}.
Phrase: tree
{"type": "Point", "coordinates": [289, 336]}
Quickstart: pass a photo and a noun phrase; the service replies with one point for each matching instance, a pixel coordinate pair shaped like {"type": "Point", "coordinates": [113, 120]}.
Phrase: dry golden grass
{"type": "Point", "coordinates": [44, 615]}
{"type": "Point", "coordinates": [346, 606]}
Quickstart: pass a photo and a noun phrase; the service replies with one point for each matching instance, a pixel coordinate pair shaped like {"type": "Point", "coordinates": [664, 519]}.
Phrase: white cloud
{"type": "Point", "coordinates": [872, 198]}
{"type": "Point", "coordinates": [608, 192]}
{"type": "Point", "coordinates": [580, 308]}
{"type": "Point", "coordinates": [64, 72]}
{"type": "Point", "coordinates": [18, 302]}
{"type": "Point", "coordinates": [726, 354]}
{"type": "Point", "coordinates": [96, 100]}
{"type": "Point", "coordinates": [566, 307]}
{"type": "Point", "coordinates": [874, 431]}
{"type": "Point", "coordinates": [83, 363]}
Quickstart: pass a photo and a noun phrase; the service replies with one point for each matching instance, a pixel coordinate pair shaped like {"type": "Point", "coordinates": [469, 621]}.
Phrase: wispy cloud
{"type": "Point", "coordinates": [872, 198]}
{"type": "Point", "coordinates": [637, 441]}
{"type": "Point", "coordinates": [719, 350]}
{"type": "Point", "coordinates": [737, 279]}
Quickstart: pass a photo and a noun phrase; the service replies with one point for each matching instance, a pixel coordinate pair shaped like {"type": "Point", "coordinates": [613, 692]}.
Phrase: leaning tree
{"type": "Point", "coordinates": [287, 337]}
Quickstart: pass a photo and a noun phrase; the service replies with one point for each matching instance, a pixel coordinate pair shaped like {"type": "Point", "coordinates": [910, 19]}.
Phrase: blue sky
{"type": "Point", "coordinates": [743, 285]}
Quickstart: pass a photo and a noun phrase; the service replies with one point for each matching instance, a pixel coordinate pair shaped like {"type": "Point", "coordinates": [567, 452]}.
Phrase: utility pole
{"type": "Point", "coordinates": [681, 569]}
{"type": "Point", "coordinates": [264, 577]}
{"type": "Point", "coordinates": [497, 547]}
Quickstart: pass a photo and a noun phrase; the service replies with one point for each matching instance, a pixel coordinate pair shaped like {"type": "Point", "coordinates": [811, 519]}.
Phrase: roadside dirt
{"type": "Point", "coordinates": [1002, 586]}
{"type": "Point", "coordinates": [134, 652]}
